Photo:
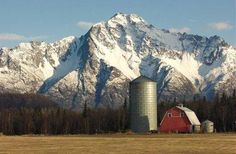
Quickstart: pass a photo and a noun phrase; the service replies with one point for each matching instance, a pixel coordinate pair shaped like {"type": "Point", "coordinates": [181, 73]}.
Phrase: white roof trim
{"type": "Point", "coordinates": [191, 115]}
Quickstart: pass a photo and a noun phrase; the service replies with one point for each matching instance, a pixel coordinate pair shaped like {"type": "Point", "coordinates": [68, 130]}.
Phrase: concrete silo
{"type": "Point", "coordinates": [143, 104]}
{"type": "Point", "coordinates": [207, 126]}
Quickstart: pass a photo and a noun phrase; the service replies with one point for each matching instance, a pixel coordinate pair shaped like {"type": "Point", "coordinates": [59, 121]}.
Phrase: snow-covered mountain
{"type": "Point", "coordinates": [95, 68]}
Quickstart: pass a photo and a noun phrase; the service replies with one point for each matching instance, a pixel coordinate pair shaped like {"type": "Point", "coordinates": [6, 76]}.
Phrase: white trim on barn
{"type": "Point", "coordinates": [190, 115]}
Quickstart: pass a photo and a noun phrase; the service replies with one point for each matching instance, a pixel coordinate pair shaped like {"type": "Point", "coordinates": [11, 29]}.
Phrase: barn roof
{"type": "Point", "coordinates": [142, 79]}
{"type": "Point", "coordinates": [190, 114]}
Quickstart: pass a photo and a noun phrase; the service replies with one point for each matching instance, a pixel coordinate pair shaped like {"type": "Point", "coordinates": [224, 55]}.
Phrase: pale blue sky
{"type": "Point", "coordinates": [51, 20]}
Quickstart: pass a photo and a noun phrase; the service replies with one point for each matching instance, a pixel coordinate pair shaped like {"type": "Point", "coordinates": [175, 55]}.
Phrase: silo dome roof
{"type": "Point", "coordinates": [207, 121]}
{"type": "Point", "coordinates": [142, 79]}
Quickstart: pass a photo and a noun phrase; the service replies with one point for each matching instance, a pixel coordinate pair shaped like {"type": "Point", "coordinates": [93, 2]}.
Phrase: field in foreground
{"type": "Point", "coordinates": [121, 143]}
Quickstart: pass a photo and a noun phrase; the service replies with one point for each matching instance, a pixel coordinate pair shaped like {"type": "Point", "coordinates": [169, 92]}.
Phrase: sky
{"type": "Point", "coordinates": [52, 20]}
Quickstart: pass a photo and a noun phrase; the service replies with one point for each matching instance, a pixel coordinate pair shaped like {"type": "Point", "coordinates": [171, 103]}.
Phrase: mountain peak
{"type": "Point", "coordinates": [68, 39]}
{"type": "Point", "coordinates": [126, 17]}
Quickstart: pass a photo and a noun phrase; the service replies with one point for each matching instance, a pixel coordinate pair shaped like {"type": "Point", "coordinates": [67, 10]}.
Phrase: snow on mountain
{"type": "Point", "coordinates": [96, 67]}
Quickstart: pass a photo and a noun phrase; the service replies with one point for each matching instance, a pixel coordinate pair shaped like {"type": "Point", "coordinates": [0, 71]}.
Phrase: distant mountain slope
{"type": "Point", "coordinates": [96, 67]}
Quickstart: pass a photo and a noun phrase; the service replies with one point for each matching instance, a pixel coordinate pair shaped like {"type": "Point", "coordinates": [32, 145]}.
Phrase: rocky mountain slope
{"type": "Point", "coordinates": [95, 68]}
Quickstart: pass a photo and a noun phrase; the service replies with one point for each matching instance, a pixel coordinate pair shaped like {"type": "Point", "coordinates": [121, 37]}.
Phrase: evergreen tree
{"type": "Point", "coordinates": [86, 120]}
{"type": "Point", "coordinates": [234, 94]}
{"type": "Point", "coordinates": [85, 110]}
{"type": "Point", "coordinates": [124, 115]}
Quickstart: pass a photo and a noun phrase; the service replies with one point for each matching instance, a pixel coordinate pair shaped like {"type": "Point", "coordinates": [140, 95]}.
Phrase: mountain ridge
{"type": "Point", "coordinates": [96, 67]}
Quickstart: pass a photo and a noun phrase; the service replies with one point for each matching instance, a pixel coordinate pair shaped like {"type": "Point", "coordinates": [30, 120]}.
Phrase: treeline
{"type": "Point", "coordinates": [36, 114]}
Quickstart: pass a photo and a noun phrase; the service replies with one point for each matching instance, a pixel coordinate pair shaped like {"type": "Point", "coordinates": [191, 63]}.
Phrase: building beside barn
{"type": "Point", "coordinates": [180, 119]}
{"type": "Point", "coordinates": [207, 126]}
{"type": "Point", "coordinates": [143, 105]}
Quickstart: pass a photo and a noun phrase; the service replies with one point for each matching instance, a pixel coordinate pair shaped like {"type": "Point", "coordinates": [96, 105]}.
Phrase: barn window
{"type": "Point", "coordinates": [182, 114]}
{"type": "Point", "coordinates": [169, 114]}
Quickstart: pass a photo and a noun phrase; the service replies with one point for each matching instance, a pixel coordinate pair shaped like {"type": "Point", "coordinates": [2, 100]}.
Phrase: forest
{"type": "Point", "coordinates": [36, 114]}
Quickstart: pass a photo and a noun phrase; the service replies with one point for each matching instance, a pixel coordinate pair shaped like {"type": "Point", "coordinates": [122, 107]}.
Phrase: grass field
{"type": "Point", "coordinates": [120, 143]}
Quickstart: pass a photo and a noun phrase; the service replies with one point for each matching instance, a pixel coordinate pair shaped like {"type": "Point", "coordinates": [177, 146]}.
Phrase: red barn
{"type": "Point", "coordinates": [181, 120]}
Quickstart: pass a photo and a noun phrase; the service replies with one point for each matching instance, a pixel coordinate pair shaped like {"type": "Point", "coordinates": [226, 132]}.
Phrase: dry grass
{"type": "Point", "coordinates": [121, 143]}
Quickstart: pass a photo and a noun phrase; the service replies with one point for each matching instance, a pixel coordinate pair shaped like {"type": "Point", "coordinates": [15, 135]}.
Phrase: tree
{"type": "Point", "coordinates": [85, 117]}
{"type": "Point", "coordinates": [85, 110]}
{"type": "Point", "coordinates": [234, 94]}
{"type": "Point", "coordinates": [124, 115]}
